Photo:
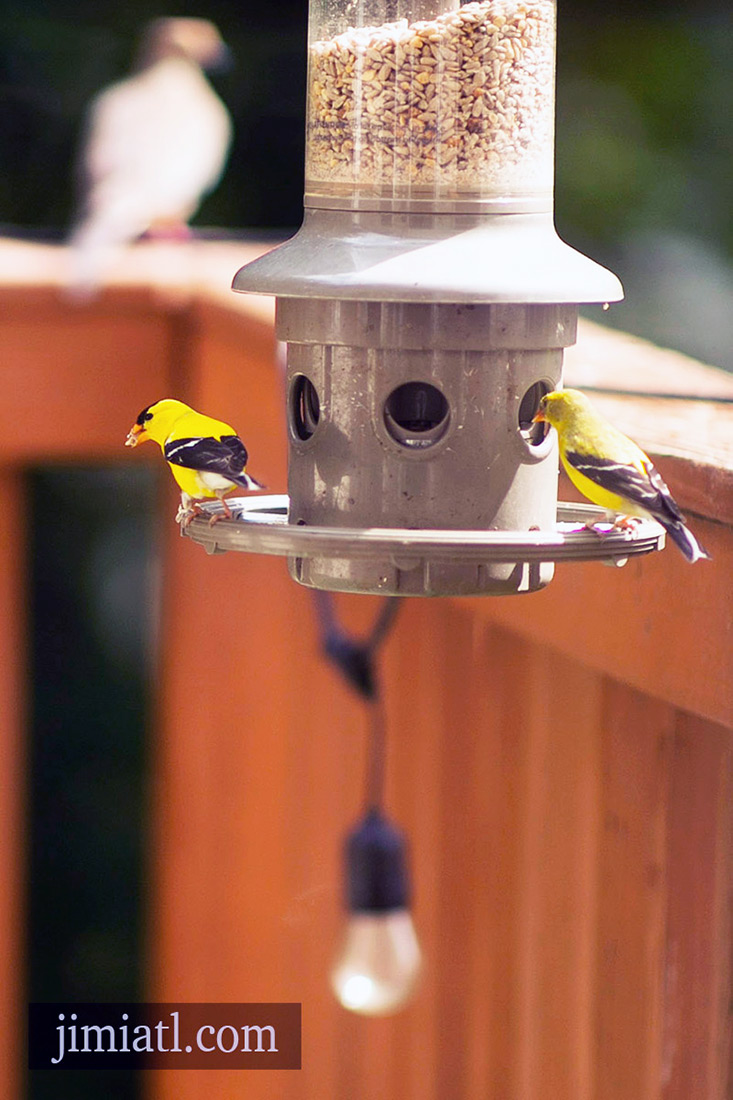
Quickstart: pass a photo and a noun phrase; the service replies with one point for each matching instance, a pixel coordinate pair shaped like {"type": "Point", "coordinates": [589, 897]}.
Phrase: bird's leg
{"type": "Point", "coordinates": [227, 510]}
{"type": "Point", "coordinates": [628, 524]}
{"type": "Point", "coordinates": [600, 532]}
{"type": "Point", "coordinates": [188, 509]}
{"type": "Point", "coordinates": [592, 525]}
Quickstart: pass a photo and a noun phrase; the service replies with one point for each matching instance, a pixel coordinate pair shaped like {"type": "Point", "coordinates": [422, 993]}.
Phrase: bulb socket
{"type": "Point", "coordinates": [376, 866]}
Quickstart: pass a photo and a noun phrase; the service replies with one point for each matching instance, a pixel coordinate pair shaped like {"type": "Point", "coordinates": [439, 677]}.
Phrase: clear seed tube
{"type": "Point", "coordinates": [428, 105]}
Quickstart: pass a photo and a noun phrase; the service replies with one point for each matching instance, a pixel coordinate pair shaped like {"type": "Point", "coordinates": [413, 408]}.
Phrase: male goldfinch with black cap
{"type": "Point", "coordinates": [206, 456]}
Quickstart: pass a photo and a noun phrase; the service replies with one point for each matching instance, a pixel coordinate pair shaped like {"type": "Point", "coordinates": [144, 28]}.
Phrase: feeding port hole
{"type": "Point", "coordinates": [416, 414]}
{"type": "Point", "coordinates": [528, 408]}
{"type": "Point", "coordinates": [305, 408]}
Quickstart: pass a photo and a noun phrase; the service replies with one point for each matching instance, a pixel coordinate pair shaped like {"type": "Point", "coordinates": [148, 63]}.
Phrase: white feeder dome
{"type": "Point", "coordinates": [425, 304]}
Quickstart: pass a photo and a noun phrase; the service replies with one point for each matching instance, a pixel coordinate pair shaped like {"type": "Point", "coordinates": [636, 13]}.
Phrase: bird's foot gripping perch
{"type": "Point", "coordinates": [189, 509]}
{"type": "Point", "coordinates": [626, 524]}
{"type": "Point", "coordinates": [217, 515]}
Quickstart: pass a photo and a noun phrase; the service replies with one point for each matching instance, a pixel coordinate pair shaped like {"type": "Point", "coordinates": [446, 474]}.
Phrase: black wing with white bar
{"type": "Point", "coordinates": [226, 456]}
{"type": "Point", "coordinates": [644, 486]}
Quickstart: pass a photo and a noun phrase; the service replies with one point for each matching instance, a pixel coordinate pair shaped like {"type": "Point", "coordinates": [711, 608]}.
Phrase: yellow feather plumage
{"type": "Point", "coordinates": [205, 465]}
{"type": "Point", "coordinates": [610, 469]}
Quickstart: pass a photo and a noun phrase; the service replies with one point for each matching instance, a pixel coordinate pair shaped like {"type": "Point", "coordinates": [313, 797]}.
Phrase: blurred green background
{"type": "Point", "coordinates": [644, 179]}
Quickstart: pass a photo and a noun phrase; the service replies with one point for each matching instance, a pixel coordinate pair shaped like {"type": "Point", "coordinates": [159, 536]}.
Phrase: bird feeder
{"type": "Point", "coordinates": [425, 303]}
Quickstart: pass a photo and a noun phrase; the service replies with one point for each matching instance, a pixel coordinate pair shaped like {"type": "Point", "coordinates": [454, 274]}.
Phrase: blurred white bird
{"type": "Point", "coordinates": [155, 144]}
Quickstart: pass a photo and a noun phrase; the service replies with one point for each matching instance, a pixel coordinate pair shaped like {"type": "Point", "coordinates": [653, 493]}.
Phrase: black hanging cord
{"type": "Point", "coordinates": [355, 659]}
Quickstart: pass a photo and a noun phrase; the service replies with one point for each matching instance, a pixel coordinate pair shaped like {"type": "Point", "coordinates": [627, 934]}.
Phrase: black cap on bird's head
{"type": "Point", "coordinates": [156, 421]}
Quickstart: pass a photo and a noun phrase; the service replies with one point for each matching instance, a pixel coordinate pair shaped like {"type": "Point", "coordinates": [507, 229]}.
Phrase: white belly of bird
{"type": "Point", "coordinates": [214, 482]}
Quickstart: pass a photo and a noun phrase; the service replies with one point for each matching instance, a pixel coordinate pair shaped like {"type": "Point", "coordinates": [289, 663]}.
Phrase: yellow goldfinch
{"type": "Point", "coordinates": [611, 470]}
{"type": "Point", "coordinates": [206, 456]}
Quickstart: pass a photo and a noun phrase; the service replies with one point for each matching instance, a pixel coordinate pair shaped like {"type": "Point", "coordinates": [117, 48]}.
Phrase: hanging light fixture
{"type": "Point", "coordinates": [425, 303]}
{"type": "Point", "coordinates": [378, 966]}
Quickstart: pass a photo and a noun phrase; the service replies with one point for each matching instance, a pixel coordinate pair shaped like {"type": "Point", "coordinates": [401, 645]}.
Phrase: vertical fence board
{"type": "Point", "coordinates": [697, 984]}
{"type": "Point", "coordinates": [558, 876]}
{"type": "Point", "coordinates": [637, 755]}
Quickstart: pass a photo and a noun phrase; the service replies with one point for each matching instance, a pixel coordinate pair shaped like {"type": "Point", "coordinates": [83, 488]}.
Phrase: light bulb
{"type": "Point", "coordinates": [379, 964]}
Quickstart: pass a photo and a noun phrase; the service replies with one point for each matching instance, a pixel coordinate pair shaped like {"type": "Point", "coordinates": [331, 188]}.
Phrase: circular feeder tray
{"type": "Point", "coordinates": [259, 525]}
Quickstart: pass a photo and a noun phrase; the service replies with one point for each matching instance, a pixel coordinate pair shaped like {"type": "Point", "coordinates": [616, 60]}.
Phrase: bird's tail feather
{"type": "Point", "coordinates": [248, 482]}
{"type": "Point", "coordinates": [683, 537]}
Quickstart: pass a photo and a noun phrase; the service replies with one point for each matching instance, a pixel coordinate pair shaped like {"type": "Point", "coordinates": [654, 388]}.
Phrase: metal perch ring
{"type": "Point", "coordinates": [259, 525]}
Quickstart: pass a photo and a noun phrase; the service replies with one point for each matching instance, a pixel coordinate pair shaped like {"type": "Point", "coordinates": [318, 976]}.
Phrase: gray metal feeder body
{"type": "Point", "coordinates": [425, 308]}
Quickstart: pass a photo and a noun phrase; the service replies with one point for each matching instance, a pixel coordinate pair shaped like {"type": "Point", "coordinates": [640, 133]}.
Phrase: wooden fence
{"type": "Point", "coordinates": [561, 762]}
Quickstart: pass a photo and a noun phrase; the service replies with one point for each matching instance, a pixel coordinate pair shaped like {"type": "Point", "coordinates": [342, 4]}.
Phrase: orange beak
{"type": "Point", "coordinates": [539, 417]}
{"type": "Point", "coordinates": [136, 434]}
